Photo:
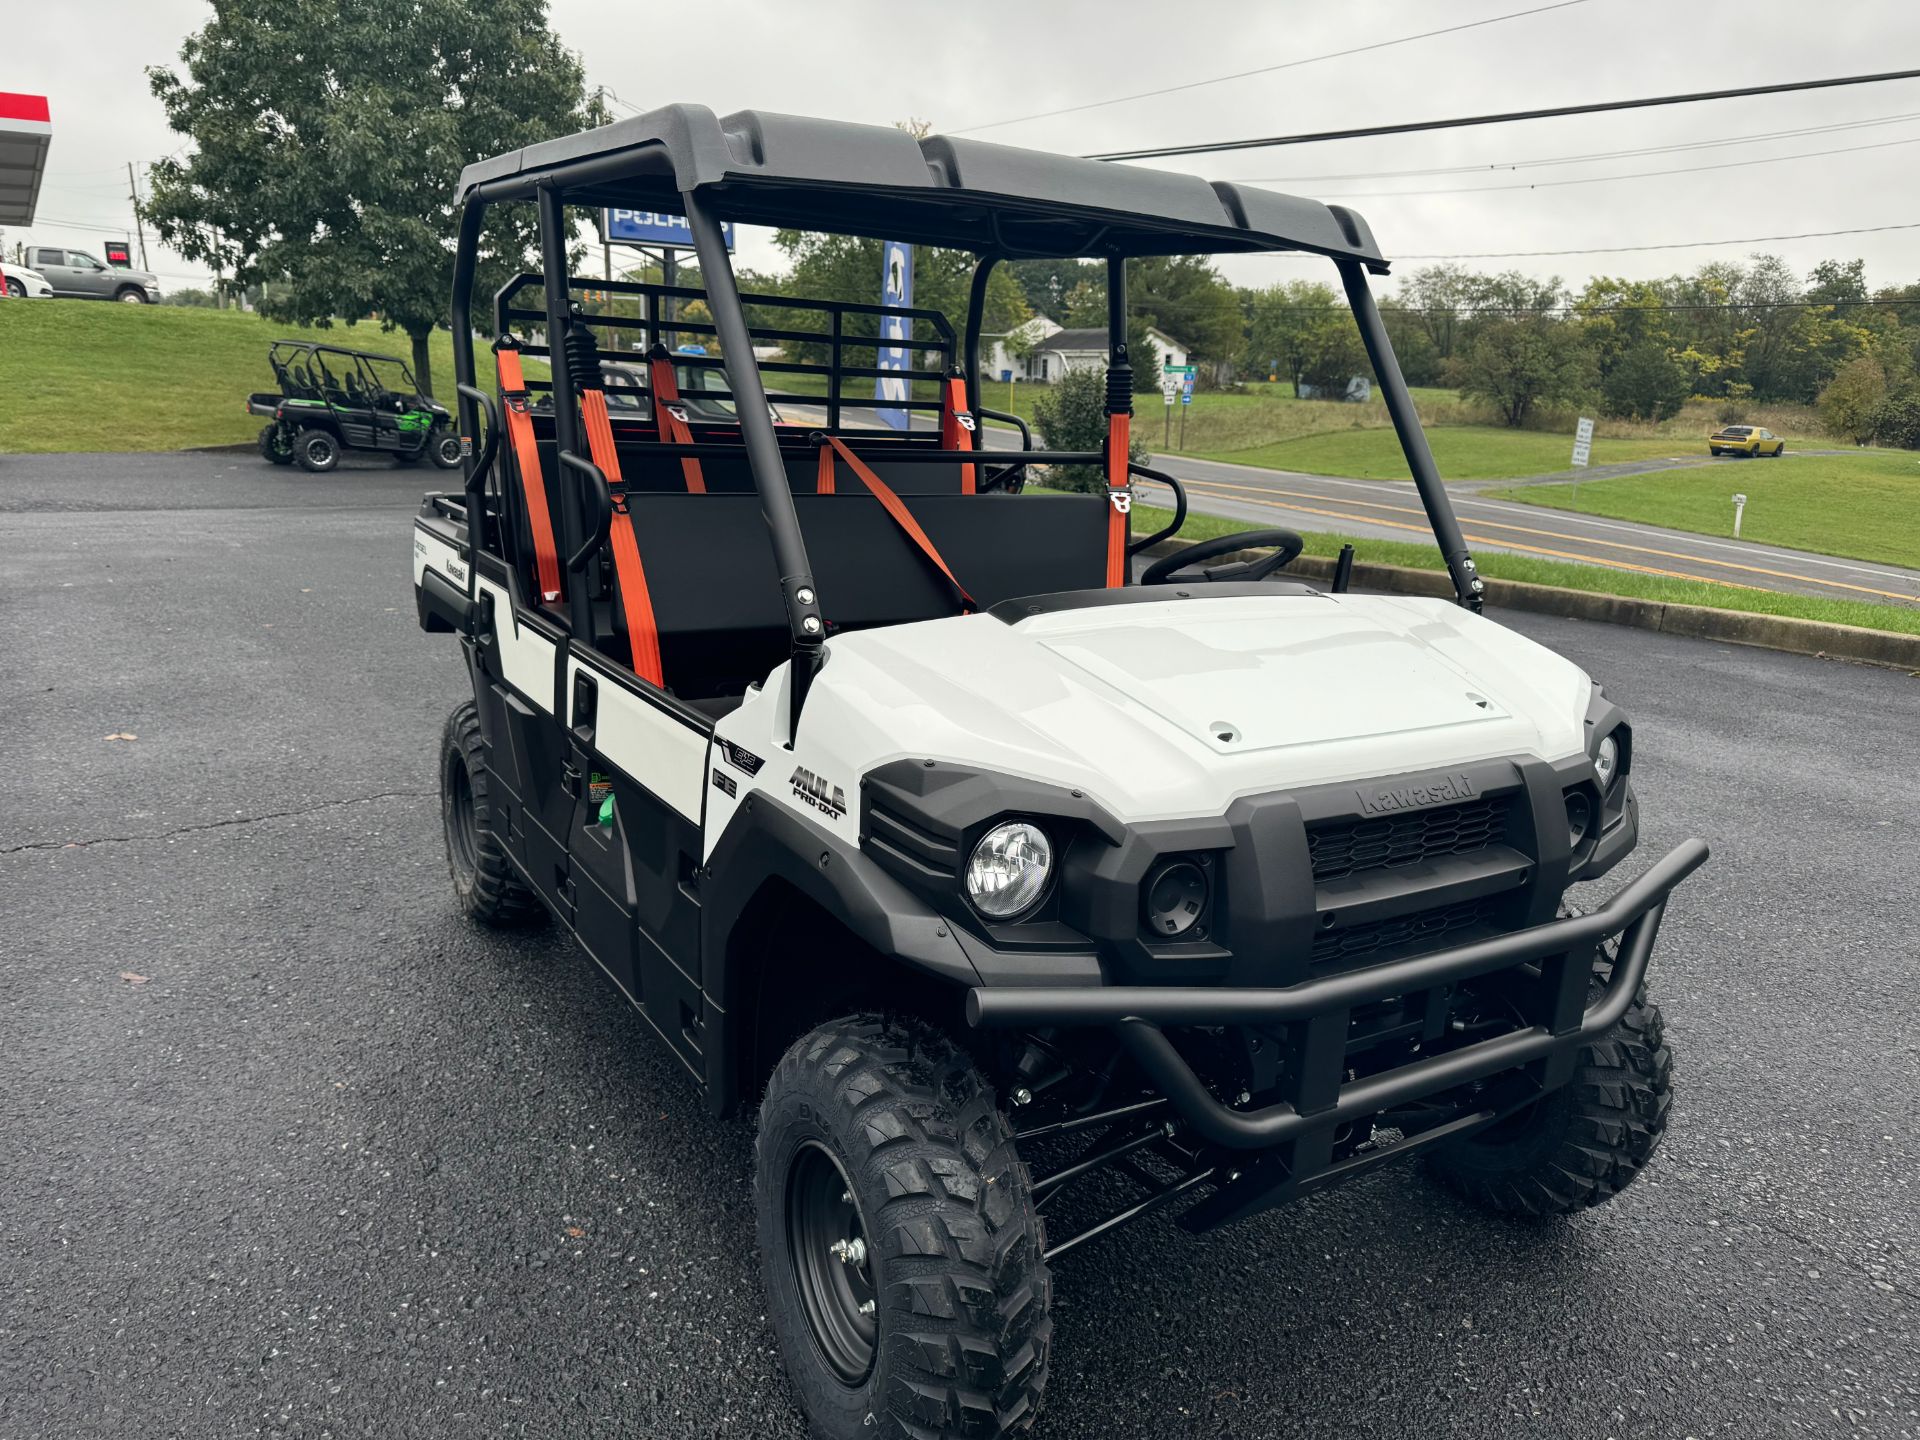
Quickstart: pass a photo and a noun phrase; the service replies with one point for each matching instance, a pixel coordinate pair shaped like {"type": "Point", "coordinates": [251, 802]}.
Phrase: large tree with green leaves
{"type": "Point", "coordinates": [327, 136]}
{"type": "Point", "coordinates": [1523, 366]}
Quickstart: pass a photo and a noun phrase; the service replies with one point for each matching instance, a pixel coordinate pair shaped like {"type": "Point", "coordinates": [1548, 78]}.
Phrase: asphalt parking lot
{"type": "Point", "coordinates": [291, 1149]}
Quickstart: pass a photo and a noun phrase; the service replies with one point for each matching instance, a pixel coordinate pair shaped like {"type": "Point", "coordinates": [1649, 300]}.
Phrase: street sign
{"type": "Point", "coordinates": [896, 288]}
{"type": "Point", "coordinates": [1174, 379]}
{"type": "Point", "coordinates": [1186, 389]}
{"type": "Point", "coordinates": [1583, 441]}
{"type": "Point", "coordinates": [652, 227]}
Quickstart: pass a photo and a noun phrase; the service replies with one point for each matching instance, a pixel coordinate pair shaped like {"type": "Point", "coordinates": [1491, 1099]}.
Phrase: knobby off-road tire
{"type": "Point", "coordinates": [274, 447]}
{"type": "Point", "coordinates": [489, 888]}
{"type": "Point", "coordinates": [316, 451]}
{"type": "Point", "coordinates": [895, 1118]}
{"type": "Point", "coordinates": [443, 448]}
{"type": "Point", "coordinates": [1585, 1142]}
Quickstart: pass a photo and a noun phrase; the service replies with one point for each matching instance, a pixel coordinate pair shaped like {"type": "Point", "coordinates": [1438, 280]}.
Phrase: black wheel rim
{"type": "Point", "coordinates": [461, 821]}
{"type": "Point", "coordinates": [320, 451]}
{"type": "Point", "coordinates": [830, 1268]}
{"type": "Point", "coordinates": [450, 451]}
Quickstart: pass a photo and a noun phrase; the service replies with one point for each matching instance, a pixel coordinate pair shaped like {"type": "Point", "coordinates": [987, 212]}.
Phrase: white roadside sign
{"type": "Point", "coordinates": [1583, 441]}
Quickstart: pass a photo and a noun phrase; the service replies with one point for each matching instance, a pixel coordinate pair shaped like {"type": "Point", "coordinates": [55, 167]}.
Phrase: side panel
{"type": "Point", "coordinates": [636, 888]}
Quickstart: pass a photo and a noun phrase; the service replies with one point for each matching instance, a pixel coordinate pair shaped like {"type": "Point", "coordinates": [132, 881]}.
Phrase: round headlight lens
{"type": "Point", "coordinates": [1606, 761]}
{"type": "Point", "coordinates": [1008, 869]}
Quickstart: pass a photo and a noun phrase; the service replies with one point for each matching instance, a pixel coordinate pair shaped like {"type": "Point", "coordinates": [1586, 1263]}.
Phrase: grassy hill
{"type": "Point", "coordinates": [81, 376]}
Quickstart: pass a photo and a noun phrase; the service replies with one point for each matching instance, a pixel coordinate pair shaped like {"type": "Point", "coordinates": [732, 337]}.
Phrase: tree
{"type": "Point", "coordinates": [1645, 382]}
{"type": "Point", "coordinates": [1850, 405]}
{"type": "Point", "coordinates": [1072, 415]}
{"type": "Point", "coordinates": [1897, 421]}
{"type": "Point", "coordinates": [326, 142]}
{"type": "Point", "coordinates": [847, 268]}
{"type": "Point", "coordinates": [1524, 365]}
{"type": "Point", "coordinates": [1047, 283]}
{"type": "Point", "coordinates": [1185, 296]}
{"type": "Point", "coordinates": [1287, 325]}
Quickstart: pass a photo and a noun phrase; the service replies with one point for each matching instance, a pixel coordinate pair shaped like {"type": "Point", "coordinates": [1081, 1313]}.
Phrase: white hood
{"type": "Point", "coordinates": [1174, 708]}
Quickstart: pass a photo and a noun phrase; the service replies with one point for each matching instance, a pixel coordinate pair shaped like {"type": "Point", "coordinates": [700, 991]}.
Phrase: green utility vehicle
{"type": "Point", "coordinates": [332, 399]}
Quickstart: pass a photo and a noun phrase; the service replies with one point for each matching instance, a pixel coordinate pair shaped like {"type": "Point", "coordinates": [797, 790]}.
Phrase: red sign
{"type": "Point", "coordinates": [118, 254]}
{"type": "Point", "coordinates": [24, 107]}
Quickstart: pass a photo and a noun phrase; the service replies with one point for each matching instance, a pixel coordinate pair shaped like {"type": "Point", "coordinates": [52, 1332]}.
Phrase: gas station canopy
{"type": "Point", "coordinates": [25, 128]}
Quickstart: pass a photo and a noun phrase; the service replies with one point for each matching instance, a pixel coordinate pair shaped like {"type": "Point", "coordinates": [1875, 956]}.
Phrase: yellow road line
{"type": "Point", "coordinates": [1216, 487]}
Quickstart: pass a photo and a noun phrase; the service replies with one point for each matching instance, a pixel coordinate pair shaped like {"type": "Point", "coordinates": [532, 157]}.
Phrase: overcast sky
{"type": "Point", "coordinates": [963, 68]}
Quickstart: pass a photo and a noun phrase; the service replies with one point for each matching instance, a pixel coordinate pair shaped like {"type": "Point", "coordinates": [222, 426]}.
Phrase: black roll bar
{"type": "Point", "coordinates": [1468, 588]}
{"type": "Point", "coordinates": [566, 414]}
{"type": "Point", "coordinates": [806, 627]}
{"type": "Point", "coordinates": [976, 314]}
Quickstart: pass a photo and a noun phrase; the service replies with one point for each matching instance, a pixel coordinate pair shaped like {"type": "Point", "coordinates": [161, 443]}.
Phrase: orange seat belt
{"type": "Point", "coordinates": [513, 391]}
{"type": "Point", "coordinates": [892, 504]}
{"type": "Point", "coordinates": [957, 426]}
{"type": "Point", "coordinates": [643, 634]}
{"type": "Point", "coordinates": [1120, 494]}
{"type": "Point", "coordinates": [673, 420]}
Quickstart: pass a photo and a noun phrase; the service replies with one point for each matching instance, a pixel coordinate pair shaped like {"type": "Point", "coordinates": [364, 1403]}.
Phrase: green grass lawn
{"type": "Point", "coordinates": [76, 375]}
{"type": "Point", "coordinates": [1864, 505]}
{"type": "Point", "coordinates": [1463, 452]}
{"type": "Point", "coordinates": [1904, 619]}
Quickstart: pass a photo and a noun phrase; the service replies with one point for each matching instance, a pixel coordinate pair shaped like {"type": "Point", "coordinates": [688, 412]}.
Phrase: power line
{"type": "Point", "coordinates": [1263, 70]}
{"type": "Point", "coordinates": [1469, 311]}
{"type": "Point", "coordinates": [1630, 154]}
{"type": "Point", "coordinates": [1604, 179]}
{"type": "Point", "coordinates": [1670, 245]}
{"type": "Point", "coordinates": [1506, 117]}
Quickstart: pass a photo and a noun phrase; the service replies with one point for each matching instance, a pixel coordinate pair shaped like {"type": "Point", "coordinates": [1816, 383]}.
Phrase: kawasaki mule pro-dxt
{"type": "Point", "coordinates": [1023, 896]}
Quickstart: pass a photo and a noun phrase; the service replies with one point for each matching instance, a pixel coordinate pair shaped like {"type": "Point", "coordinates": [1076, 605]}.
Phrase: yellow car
{"type": "Point", "coordinates": [1745, 440]}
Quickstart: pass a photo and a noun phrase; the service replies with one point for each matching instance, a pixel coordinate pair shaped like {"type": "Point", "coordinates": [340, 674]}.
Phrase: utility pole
{"type": "Point", "coordinates": [133, 194]}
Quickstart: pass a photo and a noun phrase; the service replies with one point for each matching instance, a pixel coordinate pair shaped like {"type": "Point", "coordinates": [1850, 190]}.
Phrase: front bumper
{"type": "Point", "coordinates": [1317, 1096]}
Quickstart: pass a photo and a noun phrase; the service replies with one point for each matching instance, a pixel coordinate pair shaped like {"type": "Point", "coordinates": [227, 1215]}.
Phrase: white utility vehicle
{"type": "Point", "coordinates": [1021, 894]}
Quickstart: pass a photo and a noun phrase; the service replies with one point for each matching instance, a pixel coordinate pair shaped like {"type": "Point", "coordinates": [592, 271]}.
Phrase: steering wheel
{"type": "Point", "coordinates": [1284, 544]}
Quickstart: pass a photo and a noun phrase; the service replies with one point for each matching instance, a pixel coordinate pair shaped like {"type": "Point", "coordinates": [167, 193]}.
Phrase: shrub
{"type": "Point", "coordinates": [1072, 415]}
{"type": "Point", "coordinates": [1646, 383]}
{"type": "Point", "coordinates": [1897, 420]}
{"type": "Point", "coordinates": [1850, 405]}
{"type": "Point", "coordinates": [1733, 409]}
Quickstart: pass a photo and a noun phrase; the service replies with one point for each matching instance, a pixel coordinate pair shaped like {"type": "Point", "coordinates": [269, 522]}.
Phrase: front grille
{"type": "Point", "coordinates": [1426, 930]}
{"type": "Point", "coordinates": [1340, 848]}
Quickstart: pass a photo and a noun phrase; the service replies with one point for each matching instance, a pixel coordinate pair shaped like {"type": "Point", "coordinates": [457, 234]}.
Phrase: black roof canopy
{"type": "Point", "coordinates": [769, 169]}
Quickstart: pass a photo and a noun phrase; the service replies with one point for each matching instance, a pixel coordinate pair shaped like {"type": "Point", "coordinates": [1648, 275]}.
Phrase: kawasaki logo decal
{"type": "Point", "coordinates": [1446, 790]}
{"type": "Point", "coordinates": [811, 789]}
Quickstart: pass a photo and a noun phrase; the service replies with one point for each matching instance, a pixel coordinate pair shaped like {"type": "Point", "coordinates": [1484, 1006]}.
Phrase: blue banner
{"type": "Point", "coordinates": [896, 288]}
{"type": "Point", "coordinates": [651, 227]}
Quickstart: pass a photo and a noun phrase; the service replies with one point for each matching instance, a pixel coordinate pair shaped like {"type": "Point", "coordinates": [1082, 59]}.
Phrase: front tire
{"type": "Point", "coordinates": [902, 1255]}
{"type": "Point", "coordinates": [316, 451]}
{"type": "Point", "coordinates": [1585, 1142]}
{"type": "Point", "coordinates": [444, 449]}
{"type": "Point", "coordinates": [17, 289]}
{"type": "Point", "coordinates": [131, 296]}
{"type": "Point", "coordinates": [490, 889]}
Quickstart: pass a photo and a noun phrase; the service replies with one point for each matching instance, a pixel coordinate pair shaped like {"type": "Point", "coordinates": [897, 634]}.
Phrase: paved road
{"type": "Point", "coordinates": [1390, 510]}
{"type": "Point", "coordinates": [342, 1165]}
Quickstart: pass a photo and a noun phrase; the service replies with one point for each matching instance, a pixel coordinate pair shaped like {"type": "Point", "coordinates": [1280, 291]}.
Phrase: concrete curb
{"type": "Point", "coordinates": [1701, 622]}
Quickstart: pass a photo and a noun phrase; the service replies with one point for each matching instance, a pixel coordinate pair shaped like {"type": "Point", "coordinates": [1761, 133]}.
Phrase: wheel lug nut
{"type": "Point", "coordinates": [849, 1252]}
{"type": "Point", "coordinates": [866, 1307]}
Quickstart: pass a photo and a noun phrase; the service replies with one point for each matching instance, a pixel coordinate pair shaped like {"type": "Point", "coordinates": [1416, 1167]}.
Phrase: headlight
{"type": "Point", "coordinates": [1008, 869]}
{"type": "Point", "coordinates": [1606, 762]}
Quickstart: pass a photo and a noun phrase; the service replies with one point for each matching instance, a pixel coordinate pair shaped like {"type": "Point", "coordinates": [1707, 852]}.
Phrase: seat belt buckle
{"type": "Point", "coordinates": [1122, 498]}
{"type": "Point", "coordinates": [964, 419]}
{"type": "Point", "coordinates": [679, 412]}
{"type": "Point", "coordinates": [515, 400]}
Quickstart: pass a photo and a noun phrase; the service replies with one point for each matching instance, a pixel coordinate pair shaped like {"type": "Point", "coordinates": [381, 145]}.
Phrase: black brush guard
{"type": "Point", "coordinates": [1294, 1135]}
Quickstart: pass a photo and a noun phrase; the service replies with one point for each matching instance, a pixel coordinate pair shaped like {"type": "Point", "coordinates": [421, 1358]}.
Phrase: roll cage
{"type": "Point", "coordinates": [758, 168]}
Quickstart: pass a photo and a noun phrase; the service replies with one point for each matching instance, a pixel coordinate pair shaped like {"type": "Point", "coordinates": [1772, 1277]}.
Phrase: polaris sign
{"type": "Point", "coordinates": [651, 227]}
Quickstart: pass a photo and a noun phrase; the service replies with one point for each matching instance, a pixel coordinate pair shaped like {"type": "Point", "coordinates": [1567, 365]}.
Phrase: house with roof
{"type": "Point", "coordinates": [1057, 350]}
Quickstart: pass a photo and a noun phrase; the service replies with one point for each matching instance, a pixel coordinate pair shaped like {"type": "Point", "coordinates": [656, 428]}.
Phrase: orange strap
{"type": "Point", "coordinates": [643, 634]}
{"type": "Point", "coordinates": [513, 392]}
{"type": "Point", "coordinates": [957, 426]}
{"type": "Point", "coordinates": [893, 506]}
{"type": "Point", "coordinates": [1120, 497]}
{"type": "Point", "coordinates": [673, 428]}
{"type": "Point", "coordinates": [823, 473]}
